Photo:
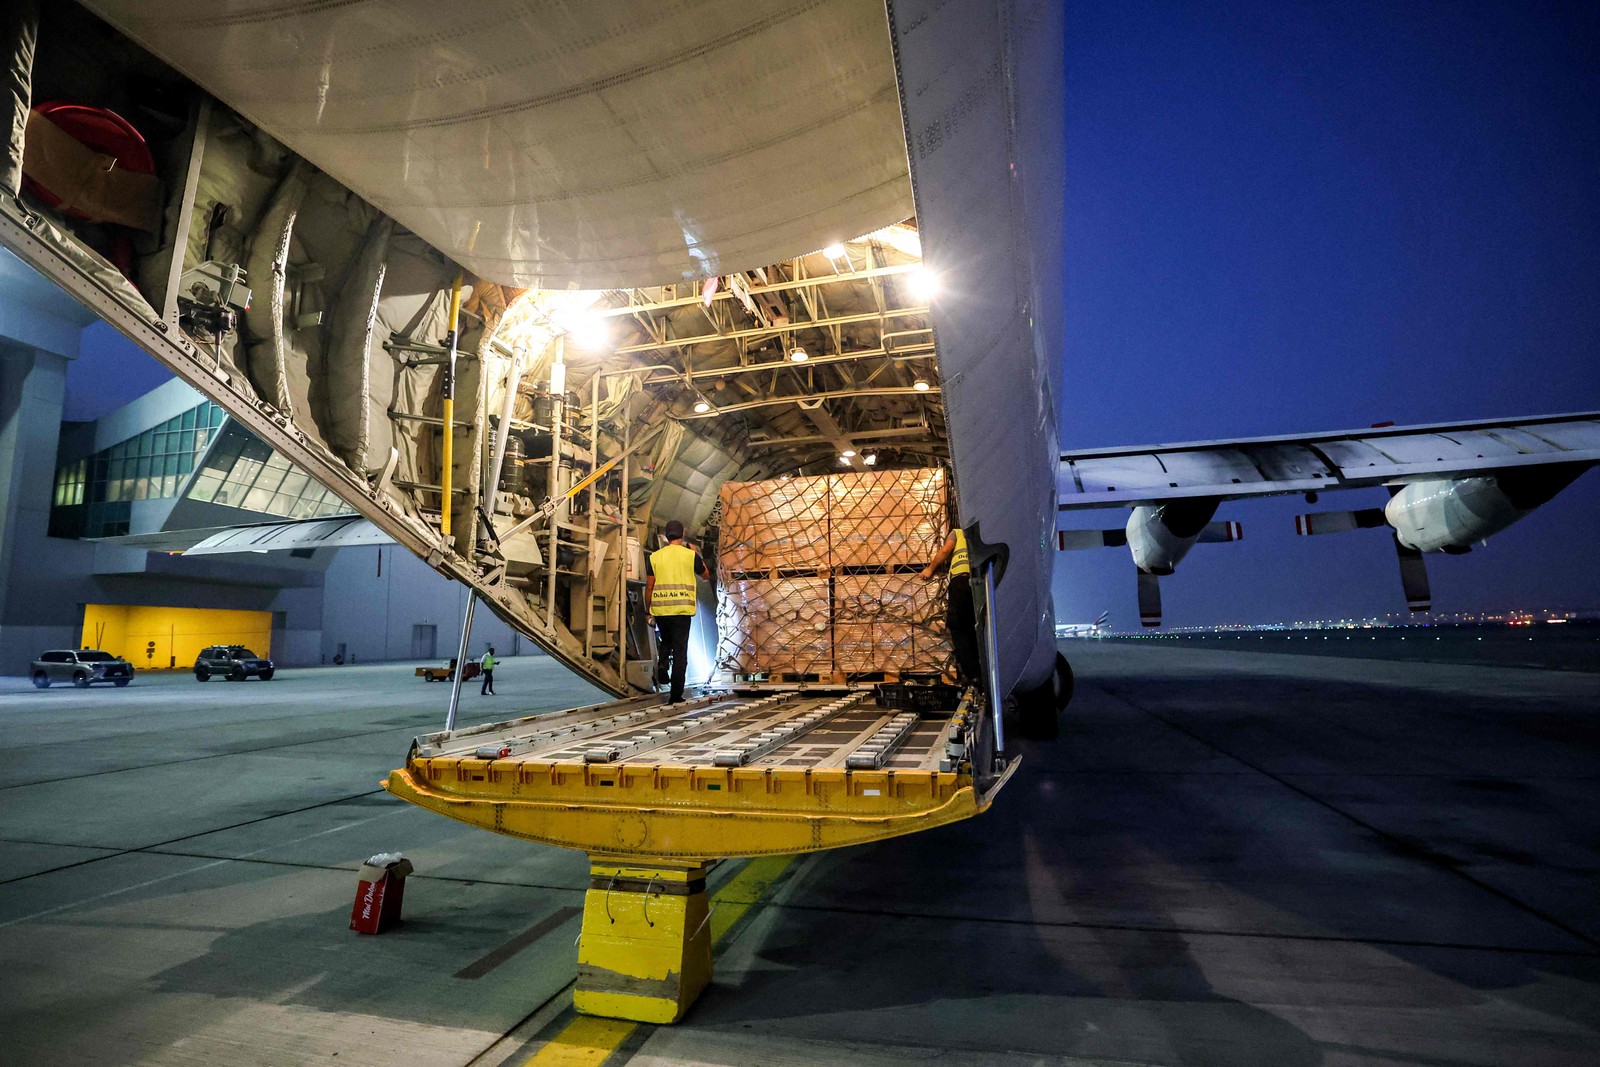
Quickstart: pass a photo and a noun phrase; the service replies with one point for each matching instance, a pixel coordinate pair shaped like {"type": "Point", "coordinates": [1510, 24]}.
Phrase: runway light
{"type": "Point", "coordinates": [924, 285]}
{"type": "Point", "coordinates": [834, 251]}
{"type": "Point", "coordinates": [920, 385]}
{"type": "Point", "coordinates": [799, 355]}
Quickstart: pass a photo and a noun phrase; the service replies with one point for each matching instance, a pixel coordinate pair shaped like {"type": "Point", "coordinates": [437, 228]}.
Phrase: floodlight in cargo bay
{"type": "Point", "coordinates": [701, 404]}
{"type": "Point", "coordinates": [848, 453]}
{"type": "Point", "coordinates": [587, 330]}
{"type": "Point", "coordinates": [870, 459]}
{"type": "Point", "coordinates": [924, 284]}
{"type": "Point", "coordinates": [921, 385]}
{"type": "Point", "coordinates": [834, 251]}
{"type": "Point", "coordinates": [799, 355]}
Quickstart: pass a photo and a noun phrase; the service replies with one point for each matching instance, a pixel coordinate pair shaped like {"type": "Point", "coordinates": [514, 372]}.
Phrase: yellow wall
{"type": "Point", "coordinates": [179, 633]}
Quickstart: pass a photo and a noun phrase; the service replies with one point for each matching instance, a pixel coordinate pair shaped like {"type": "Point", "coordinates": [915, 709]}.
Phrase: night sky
{"type": "Point", "coordinates": [1286, 218]}
{"type": "Point", "coordinates": [1293, 218]}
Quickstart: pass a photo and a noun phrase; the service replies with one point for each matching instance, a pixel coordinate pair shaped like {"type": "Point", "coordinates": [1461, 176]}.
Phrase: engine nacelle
{"type": "Point", "coordinates": [1160, 536]}
{"type": "Point", "coordinates": [1451, 515]}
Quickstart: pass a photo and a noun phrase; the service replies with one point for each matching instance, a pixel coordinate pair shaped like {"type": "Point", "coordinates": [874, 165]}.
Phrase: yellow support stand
{"type": "Point", "coordinates": [645, 950]}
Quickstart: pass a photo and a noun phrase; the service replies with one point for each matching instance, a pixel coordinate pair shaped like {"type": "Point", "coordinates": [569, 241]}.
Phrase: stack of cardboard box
{"type": "Point", "coordinates": [818, 575]}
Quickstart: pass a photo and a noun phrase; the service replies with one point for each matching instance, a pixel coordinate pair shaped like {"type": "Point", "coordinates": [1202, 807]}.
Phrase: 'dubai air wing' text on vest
{"type": "Point", "coordinates": [673, 593]}
{"type": "Point", "coordinates": [959, 563]}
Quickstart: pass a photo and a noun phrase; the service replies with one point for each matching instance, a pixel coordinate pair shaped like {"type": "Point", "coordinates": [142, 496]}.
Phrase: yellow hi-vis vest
{"type": "Point", "coordinates": [959, 563]}
{"type": "Point", "coordinates": [673, 593]}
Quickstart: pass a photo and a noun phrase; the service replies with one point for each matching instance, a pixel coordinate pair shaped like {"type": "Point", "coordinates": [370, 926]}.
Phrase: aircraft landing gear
{"type": "Point", "coordinates": [1039, 709]}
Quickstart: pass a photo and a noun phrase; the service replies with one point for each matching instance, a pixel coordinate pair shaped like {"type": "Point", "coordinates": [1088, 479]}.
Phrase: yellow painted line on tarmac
{"type": "Point", "coordinates": [744, 891]}
{"type": "Point", "coordinates": [588, 1041]}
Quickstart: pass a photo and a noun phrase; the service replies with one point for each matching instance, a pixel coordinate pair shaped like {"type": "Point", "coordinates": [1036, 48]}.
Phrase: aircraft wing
{"type": "Point", "coordinates": [1350, 459]}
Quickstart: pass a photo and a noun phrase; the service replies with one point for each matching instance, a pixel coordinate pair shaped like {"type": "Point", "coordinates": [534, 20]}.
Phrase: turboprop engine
{"type": "Point", "coordinates": [1448, 515]}
{"type": "Point", "coordinates": [1158, 536]}
{"type": "Point", "coordinates": [1452, 515]}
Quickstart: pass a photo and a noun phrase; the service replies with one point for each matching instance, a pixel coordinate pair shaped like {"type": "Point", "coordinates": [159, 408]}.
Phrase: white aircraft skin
{"type": "Point", "coordinates": [524, 173]}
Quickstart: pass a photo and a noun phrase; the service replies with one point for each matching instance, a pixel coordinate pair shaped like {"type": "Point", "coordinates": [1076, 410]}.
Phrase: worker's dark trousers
{"type": "Point", "coordinates": [963, 623]}
{"type": "Point", "coordinates": [488, 684]}
{"type": "Point", "coordinates": [672, 650]}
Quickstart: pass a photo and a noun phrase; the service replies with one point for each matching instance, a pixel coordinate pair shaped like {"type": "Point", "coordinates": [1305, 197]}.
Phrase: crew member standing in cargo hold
{"type": "Point", "coordinates": [669, 589]}
{"type": "Point", "coordinates": [959, 616]}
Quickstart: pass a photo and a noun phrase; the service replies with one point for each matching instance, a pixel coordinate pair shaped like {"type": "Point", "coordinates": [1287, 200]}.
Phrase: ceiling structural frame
{"type": "Point", "coordinates": [832, 351]}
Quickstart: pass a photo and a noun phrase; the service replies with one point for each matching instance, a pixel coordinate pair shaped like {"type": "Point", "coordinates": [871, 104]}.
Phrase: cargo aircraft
{"type": "Point", "coordinates": [521, 283]}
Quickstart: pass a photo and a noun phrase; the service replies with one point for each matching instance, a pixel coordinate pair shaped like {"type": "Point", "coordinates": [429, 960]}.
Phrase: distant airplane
{"type": "Point", "coordinates": [1083, 629]}
{"type": "Point", "coordinates": [1451, 486]}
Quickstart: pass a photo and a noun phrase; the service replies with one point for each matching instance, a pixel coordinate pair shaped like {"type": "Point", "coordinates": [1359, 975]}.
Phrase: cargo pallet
{"type": "Point", "coordinates": [656, 794]}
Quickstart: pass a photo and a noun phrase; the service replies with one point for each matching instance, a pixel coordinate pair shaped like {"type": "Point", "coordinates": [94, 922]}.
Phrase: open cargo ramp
{"type": "Point", "coordinates": [657, 793]}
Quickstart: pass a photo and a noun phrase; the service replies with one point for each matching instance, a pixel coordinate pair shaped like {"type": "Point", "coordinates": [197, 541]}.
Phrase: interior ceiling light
{"type": "Point", "coordinates": [920, 385]}
{"type": "Point", "coordinates": [870, 459]}
{"type": "Point", "coordinates": [702, 406]}
{"type": "Point", "coordinates": [588, 331]}
{"type": "Point", "coordinates": [847, 453]}
{"type": "Point", "coordinates": [924, 286]}
{"type": "Point", "coordinates": [799, 355]}
{"type": "Point", "coordinates": [844, 461]}
{"type": "Point", "coordinates": [834, 251]}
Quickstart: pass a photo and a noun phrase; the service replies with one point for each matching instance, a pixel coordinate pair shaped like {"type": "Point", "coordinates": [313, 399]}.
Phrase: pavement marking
{"type": "Point", "coordinates": [190, 870]}
{"type": "Point", "coordinates": [490, 960]}
{"type": "Point", "coordinates": [588, 1041]}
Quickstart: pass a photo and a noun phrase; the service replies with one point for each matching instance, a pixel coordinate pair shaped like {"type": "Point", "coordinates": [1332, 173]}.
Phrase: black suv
{"type": "Point", "coordinates": [233, 662]}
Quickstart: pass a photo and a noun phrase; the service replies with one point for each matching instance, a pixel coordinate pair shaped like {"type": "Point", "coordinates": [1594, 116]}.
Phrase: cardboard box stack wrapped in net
{"type": "Point", "coordinates": [819, 575]}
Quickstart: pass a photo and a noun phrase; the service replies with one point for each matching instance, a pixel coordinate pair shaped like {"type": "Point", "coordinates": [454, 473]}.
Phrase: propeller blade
{"type": "Point", "coordinates": [1414, 578]}
{"type": "Point", "coordinates": [1327, 522]}
{"type": "Point", "coordinates": [1216, 533]}
{"type": "Point", "coordinates": [1149, 599]}
{"type": "Point", "coordinates": [1072, 540]}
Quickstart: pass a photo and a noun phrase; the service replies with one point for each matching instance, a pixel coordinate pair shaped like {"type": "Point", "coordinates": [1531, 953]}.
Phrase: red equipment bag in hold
{"type": "Point", "coordinates": [380, 888]}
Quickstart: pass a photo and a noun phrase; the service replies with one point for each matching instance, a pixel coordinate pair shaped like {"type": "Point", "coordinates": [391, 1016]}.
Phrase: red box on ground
{"type": "Point", "coordinates": [380, 889]}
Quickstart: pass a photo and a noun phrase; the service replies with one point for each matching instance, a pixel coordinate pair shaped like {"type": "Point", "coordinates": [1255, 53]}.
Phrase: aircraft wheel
{"type": "Point", "coordinates": [1039, 710]}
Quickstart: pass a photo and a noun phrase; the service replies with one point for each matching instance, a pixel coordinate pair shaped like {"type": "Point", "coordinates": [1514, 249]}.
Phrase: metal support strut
{"type": "Point", "coordinates": [461, 662]}
{"type": "Point", "coordinates": [991, 637]}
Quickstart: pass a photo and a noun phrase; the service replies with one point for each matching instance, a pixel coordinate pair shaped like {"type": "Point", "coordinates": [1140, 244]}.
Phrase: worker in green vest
{"type": "Point", "coordinates": [487, 666]}
{"type": "Point", "coordinates": [959, 615]}
{"type": "Point", "coordinates": [669, 589]}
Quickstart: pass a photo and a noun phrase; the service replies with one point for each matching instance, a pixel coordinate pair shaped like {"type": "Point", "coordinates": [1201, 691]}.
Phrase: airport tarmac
{"type": "Point", "coordinates": [1226, 858]}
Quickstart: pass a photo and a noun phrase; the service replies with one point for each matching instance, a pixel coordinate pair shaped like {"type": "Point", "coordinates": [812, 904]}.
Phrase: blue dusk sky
{"type": "Point", "coordinates": [1285, 218]}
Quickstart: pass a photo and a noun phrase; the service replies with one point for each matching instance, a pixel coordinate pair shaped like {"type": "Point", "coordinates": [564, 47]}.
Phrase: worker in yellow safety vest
{"type": "Point", "coordinates": [669, 589]}
{"type": "Point", "coordinates": [959, 615]}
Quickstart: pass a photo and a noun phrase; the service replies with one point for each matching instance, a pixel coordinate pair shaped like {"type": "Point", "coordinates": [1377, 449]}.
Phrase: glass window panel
{"type": "Point", "coordinates": [294, 483]}
{"type": "Point", "coordinates": [206, 484]}
{"type": "Point", "coordinates": [257, 499]}
{"type": "Point", "coordinates": [189, 417]}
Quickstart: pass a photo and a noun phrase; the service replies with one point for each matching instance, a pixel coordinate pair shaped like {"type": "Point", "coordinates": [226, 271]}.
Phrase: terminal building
{"type": "Point", "coordinates": [97, 513]}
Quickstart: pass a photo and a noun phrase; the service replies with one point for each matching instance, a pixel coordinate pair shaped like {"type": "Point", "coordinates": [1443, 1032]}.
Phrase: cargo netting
{"type": "Point", "coordinates": [819, 576]}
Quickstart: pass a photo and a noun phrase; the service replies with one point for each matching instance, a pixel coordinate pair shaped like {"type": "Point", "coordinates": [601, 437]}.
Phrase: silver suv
{"type": "Point", "coordinates": [81, 666]}
{"type": "Point", "coordinates": [233, 662]}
